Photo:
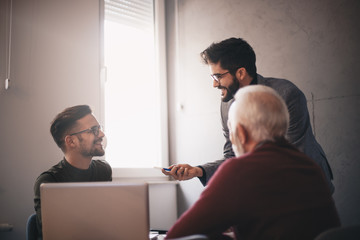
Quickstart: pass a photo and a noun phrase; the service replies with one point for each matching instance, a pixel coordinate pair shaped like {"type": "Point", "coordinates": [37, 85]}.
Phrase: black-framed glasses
{"type": "Point", "coordinates": [218, 76]}
{"type": "Point", "coordinates": [94, 130]}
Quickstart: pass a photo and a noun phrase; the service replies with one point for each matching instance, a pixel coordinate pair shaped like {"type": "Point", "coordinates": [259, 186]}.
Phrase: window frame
{"type": "Point", "coordinates": [161, 74]}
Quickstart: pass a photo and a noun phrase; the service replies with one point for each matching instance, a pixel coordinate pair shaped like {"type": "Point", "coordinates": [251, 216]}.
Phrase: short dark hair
{"type": "Point", "coordinates": [232, 53]}
{"type": "Point", "coordinates": [65, 121]}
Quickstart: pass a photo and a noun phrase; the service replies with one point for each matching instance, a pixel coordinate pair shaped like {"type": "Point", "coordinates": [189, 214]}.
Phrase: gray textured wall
{"type": "Point", "coordinates": [312, 43]}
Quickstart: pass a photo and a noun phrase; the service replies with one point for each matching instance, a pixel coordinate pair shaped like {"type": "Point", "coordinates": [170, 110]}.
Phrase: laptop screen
{"type": "Point", "coordinates": [95, 210]}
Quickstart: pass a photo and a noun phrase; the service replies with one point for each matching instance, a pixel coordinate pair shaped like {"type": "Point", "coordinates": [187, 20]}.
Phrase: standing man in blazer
{"type": "Point", "coordinates": [232, 66]}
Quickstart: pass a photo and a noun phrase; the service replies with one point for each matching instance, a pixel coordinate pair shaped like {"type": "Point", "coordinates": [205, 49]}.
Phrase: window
{"type": "Point", "coordinates": [134, 92]}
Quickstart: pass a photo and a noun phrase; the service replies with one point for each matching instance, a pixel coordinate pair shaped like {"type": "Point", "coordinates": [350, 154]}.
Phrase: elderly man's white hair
{"type": "Point", "coordinates": [261, 111]}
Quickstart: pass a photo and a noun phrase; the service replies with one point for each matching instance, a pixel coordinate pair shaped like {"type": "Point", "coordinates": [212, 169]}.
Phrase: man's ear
{"type": "Point", "coordinates": [242, 134]}
{"type": "Point", "coordinates": [241, 73]}
{"type": "Point", "coordinates": [69, 141]}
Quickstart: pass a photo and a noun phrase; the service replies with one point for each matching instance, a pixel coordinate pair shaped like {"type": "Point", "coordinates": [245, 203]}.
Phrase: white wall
{"type": "Point", "coordinates": [54, 64]}
{"type": "Point", "coordinates": [312, 43]}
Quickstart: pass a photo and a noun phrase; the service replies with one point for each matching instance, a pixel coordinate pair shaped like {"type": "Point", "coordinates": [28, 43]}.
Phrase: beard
{"type": "Point", "coordinates": [237, 147]}
{"type": "Point", "coordinates": [95, 149]}
{"type": "Point", "coordinates": [230, 90]}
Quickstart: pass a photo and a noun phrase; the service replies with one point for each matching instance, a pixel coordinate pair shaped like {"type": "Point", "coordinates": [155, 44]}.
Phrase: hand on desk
{"type": "Point", "coordinates": [183, 172]}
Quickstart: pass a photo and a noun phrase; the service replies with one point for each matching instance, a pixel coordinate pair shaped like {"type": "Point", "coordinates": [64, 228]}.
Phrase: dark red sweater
{"type": "Point", "coordinates": [274, 192]}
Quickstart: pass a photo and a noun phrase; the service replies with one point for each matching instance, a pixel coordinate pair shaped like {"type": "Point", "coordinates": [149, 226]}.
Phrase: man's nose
{"type": "Point", "coordinates": [101, 133]}
{"type": "Point", "coordinates": [216, 84]}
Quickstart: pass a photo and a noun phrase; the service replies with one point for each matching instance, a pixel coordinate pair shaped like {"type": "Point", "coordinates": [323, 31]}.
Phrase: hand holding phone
{"type": "Point", "coordinates": [166, 169]}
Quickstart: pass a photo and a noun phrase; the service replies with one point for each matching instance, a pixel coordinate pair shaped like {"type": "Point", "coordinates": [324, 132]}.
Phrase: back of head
{"type": "Point", "coordinates": [232, 53]}
{"type": "Point", "coordinates": [261, 111]}
{"type": "Point", "coordinates": [65, 121]}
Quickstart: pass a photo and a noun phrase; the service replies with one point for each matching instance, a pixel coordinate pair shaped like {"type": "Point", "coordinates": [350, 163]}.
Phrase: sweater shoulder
{"type": "Point", "coordinates": [101, 164]}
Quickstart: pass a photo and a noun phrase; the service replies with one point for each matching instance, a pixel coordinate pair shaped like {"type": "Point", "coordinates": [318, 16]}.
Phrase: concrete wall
{"type": "Point", "coordinates": [54, 64]}
{"type": "Point", "coordinates": [312, 43]}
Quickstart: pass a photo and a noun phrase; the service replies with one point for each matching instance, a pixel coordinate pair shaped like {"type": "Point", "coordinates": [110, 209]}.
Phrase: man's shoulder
{"type": "Point", "coordinates": [50, 175]}
{"type": "Point", "coordinates": [59, 167]}
{"type": "Point", "coordinates": [102, 170]}
{"type": "Point", "coordinates": [282, 151]}
{"type": "Point", "coordinates": [102, 166]}
{"type": "Point", "coordinates": [276, 83]}
{"type": "Point", "coordinates": [284, 87]}
{"type": "Point", "coordinates": [237, 162]}
{"type": "Point", "coordinates": [100, 163]}
{"type": "Point", "coordinates": [264, 150]}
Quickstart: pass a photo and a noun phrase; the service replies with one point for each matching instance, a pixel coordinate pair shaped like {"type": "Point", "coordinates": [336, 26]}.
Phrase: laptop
{"type": "Point", "coordinates": [95, 210]}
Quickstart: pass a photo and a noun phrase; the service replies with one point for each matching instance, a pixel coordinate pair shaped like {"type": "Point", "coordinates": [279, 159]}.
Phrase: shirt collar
{"type": "Point", "coordinates": [254, 81]}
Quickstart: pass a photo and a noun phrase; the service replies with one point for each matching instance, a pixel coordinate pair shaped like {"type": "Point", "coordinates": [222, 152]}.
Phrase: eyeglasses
{"type": "Point", "coordinates": [218, 76]}
{"type": "Point", "coordinates": [94, 130]}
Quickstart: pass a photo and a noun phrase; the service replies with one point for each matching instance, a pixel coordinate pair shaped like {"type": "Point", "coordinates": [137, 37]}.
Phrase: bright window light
{"type": "Point", "coordinates": [131, 95]}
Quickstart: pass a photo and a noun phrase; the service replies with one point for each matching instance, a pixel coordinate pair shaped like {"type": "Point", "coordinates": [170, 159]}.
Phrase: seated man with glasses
{"type": "Point", "coordinates": [79, 135]}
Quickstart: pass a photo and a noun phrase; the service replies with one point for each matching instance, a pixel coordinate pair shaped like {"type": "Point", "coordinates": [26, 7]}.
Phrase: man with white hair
{"type": "Point", "coordinates": [270, 190]}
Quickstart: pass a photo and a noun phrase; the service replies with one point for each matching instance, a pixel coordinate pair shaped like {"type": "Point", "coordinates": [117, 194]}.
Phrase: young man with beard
{"type": "Point", "coordinates": [232, 66]}
{"type": "Point", "coordinates": [78, 134]}
{"type": "Point", "coordinates": [270, 190]}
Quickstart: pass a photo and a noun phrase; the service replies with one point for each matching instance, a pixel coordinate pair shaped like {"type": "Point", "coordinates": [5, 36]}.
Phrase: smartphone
{"type": "Point", "coordinates": [166, 169]}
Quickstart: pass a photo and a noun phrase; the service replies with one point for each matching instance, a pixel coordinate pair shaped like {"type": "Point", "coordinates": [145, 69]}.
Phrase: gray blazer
{"type": "Point", "coordinates": [299, 133]}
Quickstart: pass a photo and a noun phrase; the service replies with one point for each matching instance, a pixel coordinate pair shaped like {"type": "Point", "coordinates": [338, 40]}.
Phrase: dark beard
{"type": "Point", "coordinates": [231, 90]}
{"type": "Point", "coordinates": [94, 151]}
{"type": "Point", "coordinates": [97, 152]}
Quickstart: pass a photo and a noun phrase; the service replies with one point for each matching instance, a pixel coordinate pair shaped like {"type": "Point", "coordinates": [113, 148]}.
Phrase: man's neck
{"type": "Point", "coordinates": [78, 161]}
{"type": "Point", "coordinates": [254, 80]}
{"type": "Point", "coordinates": [250, 146]}
{"type": "Point", "coordinates": [246, 81]}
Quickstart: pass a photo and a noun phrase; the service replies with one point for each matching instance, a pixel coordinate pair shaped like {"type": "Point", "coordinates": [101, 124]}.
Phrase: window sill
{"type": "Point", "coordinates": [139, 174]}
